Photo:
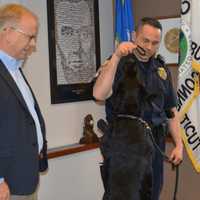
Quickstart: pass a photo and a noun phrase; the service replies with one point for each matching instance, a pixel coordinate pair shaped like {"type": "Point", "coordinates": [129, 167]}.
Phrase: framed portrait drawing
{"type": "Point", "coordinates": [74, 48]}
{"type": "Point", "coordinates": [169, 47]}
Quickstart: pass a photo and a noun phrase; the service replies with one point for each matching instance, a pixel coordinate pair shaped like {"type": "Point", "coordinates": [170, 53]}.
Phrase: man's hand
{"type": "Point", "coordinates": [174, 128]}
{"type": "Point", "coordinates": [4, 191]}
{"type": "Point", "coordinates": [176, 156]}
{"type": "Point", "coordinates": [124, 49]}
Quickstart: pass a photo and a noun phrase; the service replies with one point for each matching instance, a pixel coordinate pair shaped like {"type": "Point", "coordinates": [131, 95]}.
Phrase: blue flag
{"type": "Point", "coordinates": [124, 23]}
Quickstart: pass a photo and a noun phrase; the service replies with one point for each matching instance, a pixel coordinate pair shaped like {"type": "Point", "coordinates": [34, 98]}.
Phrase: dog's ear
{"type": "Point", "coordinates": [120, 95]}
{"type": "Point", "coordinates": [103, 126]}
{"type": "Point", "coordinates": [130, 68]}
{"type": "Point", "coordinates": [141, 78]}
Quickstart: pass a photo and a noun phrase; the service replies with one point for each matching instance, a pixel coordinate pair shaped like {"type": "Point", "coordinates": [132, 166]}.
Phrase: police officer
{"type": "Point", "coordinates": [157, 80]}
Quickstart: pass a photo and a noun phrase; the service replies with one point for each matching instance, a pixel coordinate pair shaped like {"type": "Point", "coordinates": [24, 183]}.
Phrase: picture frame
{"type": "Point", "coordinates": [169, 46]}
{"type": "Point", "coordinates": [74, 48]}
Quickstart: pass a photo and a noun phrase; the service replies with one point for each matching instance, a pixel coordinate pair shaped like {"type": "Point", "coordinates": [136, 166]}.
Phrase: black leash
{"type": "Point", "coordinates": [176, 183]}
{"type": "Point", "coordinates": [167, 159]}
{"type": "Point", "coordinates": [158, 148]}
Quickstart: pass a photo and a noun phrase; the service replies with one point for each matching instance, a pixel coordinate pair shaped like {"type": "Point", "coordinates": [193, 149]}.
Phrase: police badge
{"type": "Point", "coordinates": [162, 73]}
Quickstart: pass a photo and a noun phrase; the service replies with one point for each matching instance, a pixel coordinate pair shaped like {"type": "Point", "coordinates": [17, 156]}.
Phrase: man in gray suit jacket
{"type": "Point", "coordinates": [22, 130]}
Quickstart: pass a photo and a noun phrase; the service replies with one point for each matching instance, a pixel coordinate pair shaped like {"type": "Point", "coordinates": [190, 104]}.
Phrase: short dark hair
{"type": "Point", "coordinates": [149, 21]}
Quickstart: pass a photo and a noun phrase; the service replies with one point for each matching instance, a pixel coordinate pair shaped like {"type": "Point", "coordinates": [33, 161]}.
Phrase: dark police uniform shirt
{"type": "Point", "coordinates": [157, 79]}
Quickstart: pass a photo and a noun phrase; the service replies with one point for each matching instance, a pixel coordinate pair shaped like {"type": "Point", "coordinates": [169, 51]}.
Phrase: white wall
{"type": "Point", "coordinates": [76, 177]}
{"type": "Point", "coordinates": [64, 122]}
{"type": "Point", "coordinates": [73, 177]}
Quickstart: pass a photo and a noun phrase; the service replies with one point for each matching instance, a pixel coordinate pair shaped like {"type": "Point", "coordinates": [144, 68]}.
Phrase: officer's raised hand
{"type": "Point", "coordinates": [103, 86]}
{"type": "Point", "coordinates": [124, 49]}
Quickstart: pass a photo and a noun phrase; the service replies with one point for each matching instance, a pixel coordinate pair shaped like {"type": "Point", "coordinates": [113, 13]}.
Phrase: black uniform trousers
{"type": "Point", "coordinates": [158, 162]}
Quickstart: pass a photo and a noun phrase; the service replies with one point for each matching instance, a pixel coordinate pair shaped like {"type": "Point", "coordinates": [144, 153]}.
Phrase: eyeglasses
{"type": "Point", "coordinates": [31, 37]}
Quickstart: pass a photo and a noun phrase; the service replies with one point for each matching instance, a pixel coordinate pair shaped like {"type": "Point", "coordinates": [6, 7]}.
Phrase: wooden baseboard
{"type": "Point", "coordinates": [70, 149]}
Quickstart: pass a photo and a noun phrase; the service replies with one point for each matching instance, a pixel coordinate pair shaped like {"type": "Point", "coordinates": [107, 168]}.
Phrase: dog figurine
{"type": "Point", "coordinates": [89, 136]}
{"type": "Point", "coordinates": [126, 144]}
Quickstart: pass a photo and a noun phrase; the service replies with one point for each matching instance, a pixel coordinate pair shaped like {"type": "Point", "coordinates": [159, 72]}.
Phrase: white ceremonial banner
{"type": "Point", "coordinates": [188, 80]}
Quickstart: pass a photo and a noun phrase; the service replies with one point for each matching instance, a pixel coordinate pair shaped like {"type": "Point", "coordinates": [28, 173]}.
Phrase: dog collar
{"type": "Point", "coordinates": [137, 118]}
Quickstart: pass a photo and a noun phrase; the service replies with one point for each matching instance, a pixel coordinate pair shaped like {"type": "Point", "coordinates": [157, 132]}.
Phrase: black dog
{"type": "Point", "coordinates": [126, 145]}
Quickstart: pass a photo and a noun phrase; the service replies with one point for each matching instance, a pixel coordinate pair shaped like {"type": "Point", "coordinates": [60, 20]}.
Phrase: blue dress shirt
{"type": "Point", "coordinates": [13, 66]}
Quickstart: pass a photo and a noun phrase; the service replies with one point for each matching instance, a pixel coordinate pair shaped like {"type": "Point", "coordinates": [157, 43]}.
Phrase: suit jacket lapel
{"type": "Point", "coordinates": [11, 83]}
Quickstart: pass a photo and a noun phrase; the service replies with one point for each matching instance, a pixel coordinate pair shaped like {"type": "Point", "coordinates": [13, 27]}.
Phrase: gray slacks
{"type": "Point", "coordinates": [24, 197]}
